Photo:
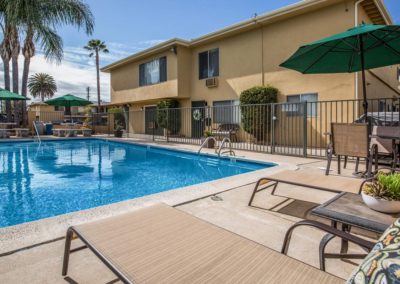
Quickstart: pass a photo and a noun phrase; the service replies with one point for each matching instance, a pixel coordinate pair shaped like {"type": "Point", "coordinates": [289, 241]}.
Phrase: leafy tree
{"type": "Point", "coordinates": [168, 115]}
{"type": "Point", "coordinates": [255, 106]}
{"type": "Point", "coordinates": [42, 85]}
{"type": "Point", "coordinates": [96, 46]}
{"type": "Point", "coordinates": [37, 21]}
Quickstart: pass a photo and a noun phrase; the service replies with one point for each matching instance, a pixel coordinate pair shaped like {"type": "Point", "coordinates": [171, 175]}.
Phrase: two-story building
{"type": "Point", "coordinates": [214, 69]}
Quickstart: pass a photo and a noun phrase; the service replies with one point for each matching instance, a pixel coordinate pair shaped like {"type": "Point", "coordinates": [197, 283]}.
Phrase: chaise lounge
{"type": "Point", "coordinates": [334, 184]}
{"type": "Point", "coordinates": [162, 244]}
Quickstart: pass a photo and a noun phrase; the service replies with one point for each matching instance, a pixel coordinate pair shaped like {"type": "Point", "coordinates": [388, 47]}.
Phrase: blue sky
{"type": "Point", "coordinates": [128, 26]}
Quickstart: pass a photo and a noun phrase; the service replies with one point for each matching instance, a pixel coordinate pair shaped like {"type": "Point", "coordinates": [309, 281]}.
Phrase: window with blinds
{"type": "Point", "coordinates": [153, 72]}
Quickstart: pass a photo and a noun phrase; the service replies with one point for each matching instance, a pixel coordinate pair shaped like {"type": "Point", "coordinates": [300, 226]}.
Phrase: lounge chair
{"type": "Point", "coordinates": [305, 179]}
{"type": "Point", "coordinates": [160, 244]}
{"type": "Point", "coordinates": [351, 140]}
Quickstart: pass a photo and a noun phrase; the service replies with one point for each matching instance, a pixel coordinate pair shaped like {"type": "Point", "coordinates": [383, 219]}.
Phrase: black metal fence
{"type": "Point", "coordinates": [297, 129]}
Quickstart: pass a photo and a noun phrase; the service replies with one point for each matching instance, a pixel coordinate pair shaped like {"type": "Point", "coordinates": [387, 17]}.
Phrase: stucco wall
{"type": "Point", "coordinates": [125, 82]}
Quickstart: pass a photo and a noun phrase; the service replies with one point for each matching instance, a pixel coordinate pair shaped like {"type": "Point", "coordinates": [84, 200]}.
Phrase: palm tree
{"type": "Point", "coordinates": [95, 46]}
{"type": "Point", "coordinates": [42, 85]}
{"type": "Point", "coordinates": [38, 20]}
{"type": "Point", "coordinates": [9, 50]}
{"type": "Point", "coordinates": [6, 53]}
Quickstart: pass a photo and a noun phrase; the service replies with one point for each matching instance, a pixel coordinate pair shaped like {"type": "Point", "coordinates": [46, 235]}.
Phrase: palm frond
{"type": "Point", "coordinates": [50, 42]}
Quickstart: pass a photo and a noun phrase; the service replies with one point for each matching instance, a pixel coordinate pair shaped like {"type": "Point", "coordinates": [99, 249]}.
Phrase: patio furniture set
{"type": "Point", "coordinates": [353, 140]}
{"type": "Point", "coordinates": [72, 132]}
{"type": "Point", "coordinates": [6, 128]}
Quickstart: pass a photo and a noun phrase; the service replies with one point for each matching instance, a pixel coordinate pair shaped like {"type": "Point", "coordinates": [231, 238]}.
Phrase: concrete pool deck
{"type": "Point", "coordinates": [24, 259]}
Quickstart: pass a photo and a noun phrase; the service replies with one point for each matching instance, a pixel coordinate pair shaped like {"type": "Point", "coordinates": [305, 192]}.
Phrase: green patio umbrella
{"type": "Point", "coordinates": [68, 101]}
{"type": "Point", "coordinates": [6, 95]}
{"type": "Point", "coordinates": [358, 49]}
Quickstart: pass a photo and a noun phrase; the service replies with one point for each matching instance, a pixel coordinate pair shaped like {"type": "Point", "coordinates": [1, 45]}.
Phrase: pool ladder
{"type": "Point", "coordinates": [221, 146]}
{"type": "Point", "coordinates": [37, 136]}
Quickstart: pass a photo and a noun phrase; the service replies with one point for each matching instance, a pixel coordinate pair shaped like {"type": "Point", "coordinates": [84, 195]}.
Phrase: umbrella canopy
{"type": "Point", "coordinates": [358, 49]}
{"type": "Point", "coordinates": [6, 95]}
{"type": "Point", "coordinates": [68, 101]}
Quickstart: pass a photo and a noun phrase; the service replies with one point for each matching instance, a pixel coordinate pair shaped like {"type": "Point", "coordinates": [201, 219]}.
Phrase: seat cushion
{"type": "Point", "coordinates": [382, 265]}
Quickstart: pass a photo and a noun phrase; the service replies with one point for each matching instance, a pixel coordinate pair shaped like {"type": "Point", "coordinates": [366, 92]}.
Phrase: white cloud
{"type": "Point", "coordinates": [77, 70]}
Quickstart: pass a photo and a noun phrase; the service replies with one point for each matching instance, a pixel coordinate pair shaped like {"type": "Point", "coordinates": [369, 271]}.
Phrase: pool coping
{"type": "Point", "coordinates": [27, 234]}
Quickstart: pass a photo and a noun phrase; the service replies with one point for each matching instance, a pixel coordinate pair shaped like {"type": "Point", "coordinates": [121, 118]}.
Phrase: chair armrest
{"type": "Point", "coordinates": [328, 229]}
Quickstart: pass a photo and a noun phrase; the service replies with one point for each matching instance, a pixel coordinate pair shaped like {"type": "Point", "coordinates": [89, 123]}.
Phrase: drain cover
{"type": "Point", "coordinates": [216, 198]}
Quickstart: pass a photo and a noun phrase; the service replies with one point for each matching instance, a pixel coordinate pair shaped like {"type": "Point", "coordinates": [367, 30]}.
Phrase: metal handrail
{"type": "Point", "coordinates": [205, 142]}
{"type": "Point", "coordinates": [230, 151]}
{"type": "Point", "coordinates": [37, 132]}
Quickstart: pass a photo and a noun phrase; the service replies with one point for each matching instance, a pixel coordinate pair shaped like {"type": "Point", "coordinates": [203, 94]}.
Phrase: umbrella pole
{"type": "Point", "coordinates": [364, 82]}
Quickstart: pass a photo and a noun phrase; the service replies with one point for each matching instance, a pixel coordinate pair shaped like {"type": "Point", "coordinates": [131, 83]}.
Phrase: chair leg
{"type": "Point", "coordinates": [338, 164]}
{"type": "Point", "coordinates": [357, 164]}
{"type": "Point", "coordinates": [67, 251]}
{"type": "Point", "coordinates": [369, 166]}
{"type": "Point", "coordinates": [345, 162]}
{"type": "Point", "coordinates": [328, 166]}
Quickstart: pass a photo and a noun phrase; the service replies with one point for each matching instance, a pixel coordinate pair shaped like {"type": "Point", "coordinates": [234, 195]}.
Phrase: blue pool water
{"type": "Point", "coordinates": [65, 176]}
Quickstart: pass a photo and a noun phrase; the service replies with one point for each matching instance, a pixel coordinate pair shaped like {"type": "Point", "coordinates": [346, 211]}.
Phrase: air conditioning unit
{"type": "Point", "coordinates": [212, 83]}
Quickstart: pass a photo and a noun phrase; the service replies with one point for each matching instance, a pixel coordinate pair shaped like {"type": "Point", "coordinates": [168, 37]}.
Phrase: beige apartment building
{"type": "Point", "coordinates": [214, 69]}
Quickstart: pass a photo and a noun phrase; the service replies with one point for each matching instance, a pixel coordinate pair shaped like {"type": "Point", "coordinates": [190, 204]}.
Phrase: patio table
{"type": "Point", "coordinates": [349, 210]}
{"type": "Point", "coordinates": [7, 125]}
{"type": "Point", "coordinates": [21, 132]}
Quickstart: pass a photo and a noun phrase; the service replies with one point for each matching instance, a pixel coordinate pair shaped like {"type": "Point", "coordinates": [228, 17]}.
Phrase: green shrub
{"type": "Point", "coordinates": [119, 117]}
{"type": "Point", "coordinates": [256, 110]}
{"type": "Point", "coordinates": [385, 186]}
{"type": "Point", "coordinates": [168, 115]}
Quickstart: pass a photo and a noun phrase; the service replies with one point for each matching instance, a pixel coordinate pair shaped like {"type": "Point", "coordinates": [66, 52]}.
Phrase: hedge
{"type": "Point", "coordinates": [255, 106]}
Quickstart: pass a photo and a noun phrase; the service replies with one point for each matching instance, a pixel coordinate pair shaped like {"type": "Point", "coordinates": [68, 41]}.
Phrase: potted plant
{"type": "Point", "coordinates": [211, 142]}
{"type": "Point", "coordinates": [383, 193]}
{"type": "Point", "coordinates": [118, 131]}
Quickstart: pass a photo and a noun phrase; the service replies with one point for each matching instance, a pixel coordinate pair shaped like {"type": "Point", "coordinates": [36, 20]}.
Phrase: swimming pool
{"type": "Point", "coordinates": [58, 177]}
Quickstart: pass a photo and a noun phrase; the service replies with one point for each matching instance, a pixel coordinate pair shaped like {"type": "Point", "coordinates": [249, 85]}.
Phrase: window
{"type": "Point", "coordinates": [153, 72]}
{"type": "Point", "coordinates": [209, 64]}
{"type": "Point", "coordinates": [226, 112]}
{"type": "Point", "coordinates": [294, 106]}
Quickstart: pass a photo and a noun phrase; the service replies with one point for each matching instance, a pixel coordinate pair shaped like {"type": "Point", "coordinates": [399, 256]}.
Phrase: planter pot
{"type": "Point", "coordinates": [118, 133]}
{"type": "Point", "coordinates": [381, 205]}
{"type": "Point", "coordinates": [210, 143]}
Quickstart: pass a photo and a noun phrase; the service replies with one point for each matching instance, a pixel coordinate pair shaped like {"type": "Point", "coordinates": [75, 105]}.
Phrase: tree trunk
{"type": "Point", "coordinates": [17, 104]}
{"type": "Point", "coordinates": [98, 81]}
{"type": "Point", "coordinates": [6, 64]}
{"type": "Point", "coordinates": [24, 87]}
{"type": "Point", "coordinates": [28, 52]}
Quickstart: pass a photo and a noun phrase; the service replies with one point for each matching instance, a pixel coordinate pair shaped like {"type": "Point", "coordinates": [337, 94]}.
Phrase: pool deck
{"type": "Point", "coordinates": [32, 252]}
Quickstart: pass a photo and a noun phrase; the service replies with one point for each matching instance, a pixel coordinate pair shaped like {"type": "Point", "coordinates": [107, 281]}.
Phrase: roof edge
{"type": "Point", "coordinates": [153, 49]}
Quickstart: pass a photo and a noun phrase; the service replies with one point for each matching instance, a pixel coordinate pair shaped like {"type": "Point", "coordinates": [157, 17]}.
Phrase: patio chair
{"type": "Point", "coordinates": [380, 265]}
{"type": "Point", "coordinates": [161, 244]}
{"type": "Point", "coordinates": [228, 130]}
{"type": "Point", "coordinates": [351, 140]}
{"type": "Point", "coordinates": [384, 146]}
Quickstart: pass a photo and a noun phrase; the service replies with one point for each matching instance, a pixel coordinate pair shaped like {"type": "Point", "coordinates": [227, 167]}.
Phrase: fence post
{"type": "Point", "coordinates": [273, 118]}
{"type": "Point", "coordinates": [305, 129]}
{"type": "Point", "coordinates": [109, 123]}
{"type": "Point", "coordinates": [167, 130]}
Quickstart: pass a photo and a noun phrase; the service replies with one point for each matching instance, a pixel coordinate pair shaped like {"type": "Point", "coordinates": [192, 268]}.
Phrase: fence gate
{"type": "Point", "coordinates": [289, 129]}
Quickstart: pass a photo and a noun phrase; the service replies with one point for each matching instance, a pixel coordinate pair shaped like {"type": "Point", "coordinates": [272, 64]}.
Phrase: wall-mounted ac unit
{"type": "Point", "coordinates": [212, 82]}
